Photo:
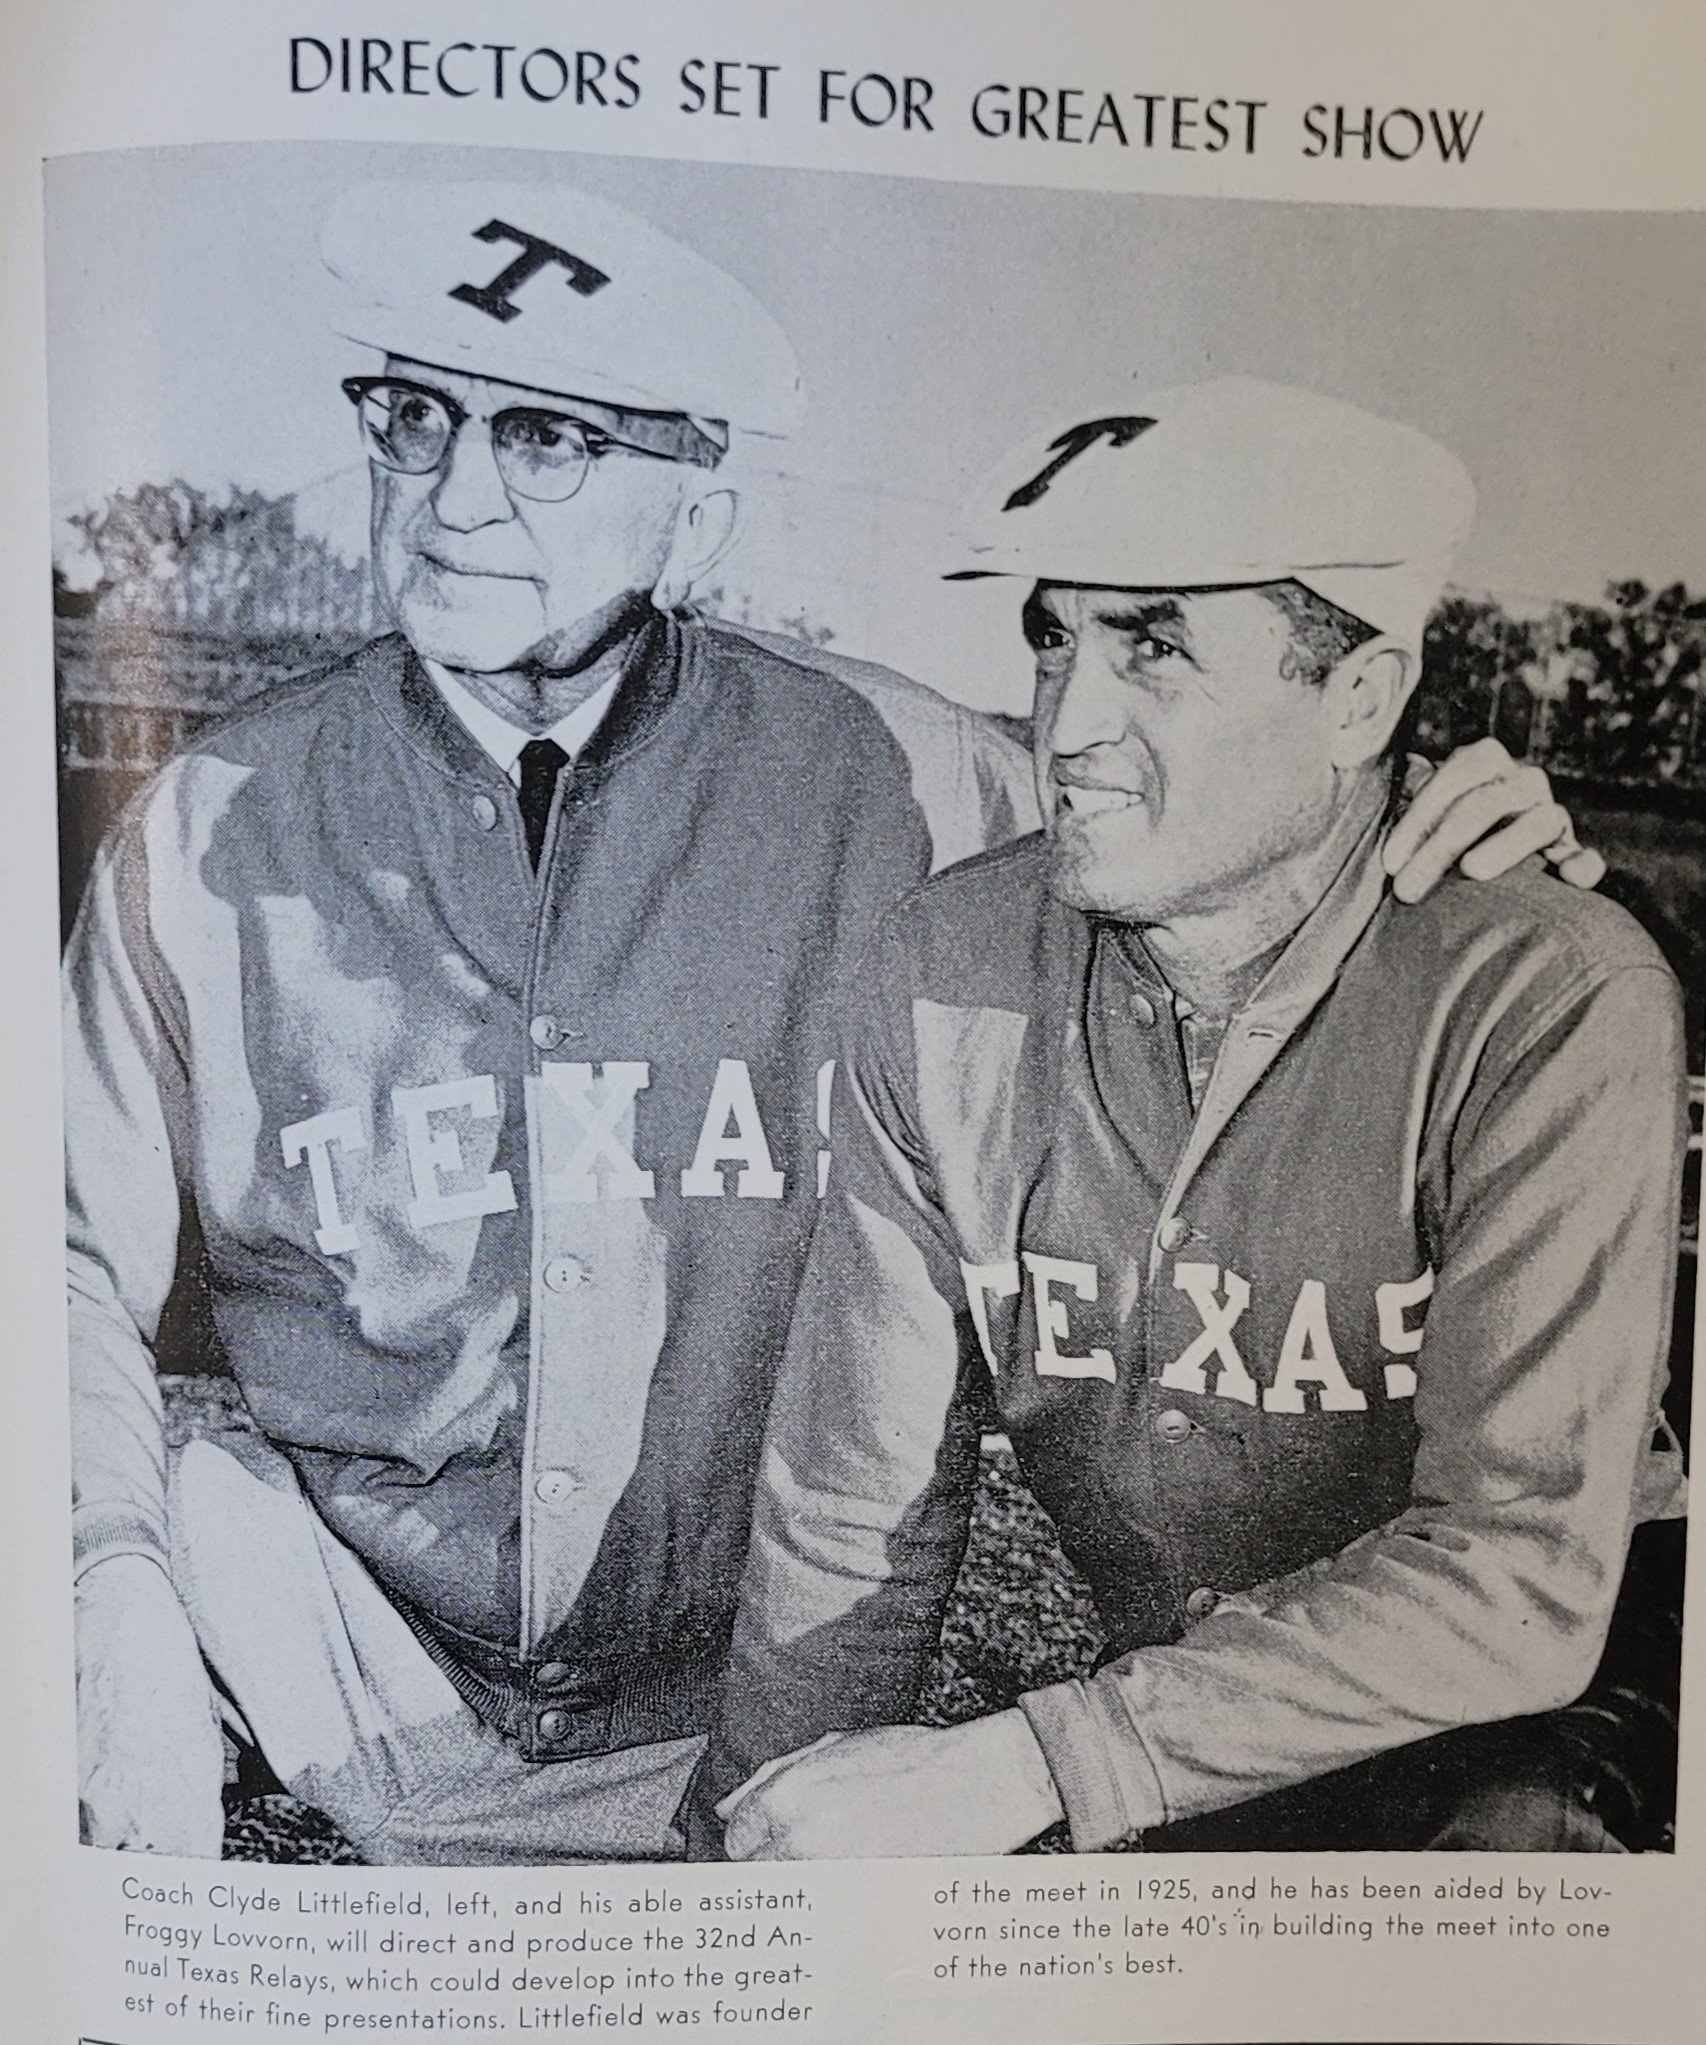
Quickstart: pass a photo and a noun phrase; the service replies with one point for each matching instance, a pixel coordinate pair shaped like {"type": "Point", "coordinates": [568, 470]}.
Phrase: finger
{"type": "Point", "coordinates": [1531, 832]}
{"type": "Point", "coordinates": [771, 1769]}
{"type": "Point", "coordinates": [725, 1807]}
{"type": "Point", "coordinates": [1581, 866]}
{"type": "Point", "coordinates": [753, 1783]}
{"type": "Point", "coordinates": [1471, 817]}
{"type": "Point", "coordinates": [1565, 845]}
{"type": "Point", "coordinates": [1469, 768]}
{"type": "Point", "coordinates": [1419, 770]}
{"type": "Point", "coordinates": [749, 1835]}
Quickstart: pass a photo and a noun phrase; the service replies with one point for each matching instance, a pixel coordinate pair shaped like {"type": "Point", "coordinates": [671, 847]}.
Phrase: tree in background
{"type": "Point", "coordinates": [1628, 685]}
{"type": "Point", "coordinates": [1473, 652]}
{"type": "Point", "coordinates": [1605, 692]}
{"type": "Point", "coordinates": [176, 557]}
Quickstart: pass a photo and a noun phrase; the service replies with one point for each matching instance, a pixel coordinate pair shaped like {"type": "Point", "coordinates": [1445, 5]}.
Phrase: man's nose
{"type": "Point", "coordinates": [470, 492]}
{"type": "Point", "coordinates": [1089, 707]}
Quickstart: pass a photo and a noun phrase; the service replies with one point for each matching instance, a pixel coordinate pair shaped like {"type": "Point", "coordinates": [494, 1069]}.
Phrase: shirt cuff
{"type": "Point", "coordinates": [98, 1533]}
{"type": "Point", "coordinates": [1104, 1776]}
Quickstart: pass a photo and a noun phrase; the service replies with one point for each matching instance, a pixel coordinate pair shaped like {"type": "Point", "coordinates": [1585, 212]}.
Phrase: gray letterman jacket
{"type": "Point", "coordinates": [1339, 1388]}
{"type": "Point", "coordinates": [501, 1186]}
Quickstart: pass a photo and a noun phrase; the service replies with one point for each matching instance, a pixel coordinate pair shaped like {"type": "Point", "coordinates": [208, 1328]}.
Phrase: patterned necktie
{"type": "Point", "coordinates": [542, 760]}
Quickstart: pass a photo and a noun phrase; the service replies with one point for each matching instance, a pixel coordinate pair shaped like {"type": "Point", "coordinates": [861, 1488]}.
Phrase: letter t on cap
{"type": "Point", "coordinates": [536, 254]}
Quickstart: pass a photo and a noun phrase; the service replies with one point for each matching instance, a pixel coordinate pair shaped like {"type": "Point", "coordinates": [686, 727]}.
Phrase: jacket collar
{"type": "Point", "coordinates": [1294, 986]}
{"type": "Point", "coordinates": [1306, 965]}
{"type": "Point", "coordinates": [658, 664]}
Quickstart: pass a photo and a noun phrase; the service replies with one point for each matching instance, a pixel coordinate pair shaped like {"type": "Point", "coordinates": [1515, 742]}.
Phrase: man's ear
{"type": "Point", "coordinates": [704, 527]}
{"type": "Point", "coordinates": [1365, 697]}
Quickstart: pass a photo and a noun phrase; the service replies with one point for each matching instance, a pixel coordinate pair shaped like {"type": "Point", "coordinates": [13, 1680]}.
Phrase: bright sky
{"type": "Point", "coordinates": [1561, 355]}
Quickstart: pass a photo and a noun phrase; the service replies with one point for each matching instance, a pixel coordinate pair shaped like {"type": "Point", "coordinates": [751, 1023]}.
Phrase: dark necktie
{"type": "Point", "coordinates": [542, 760]}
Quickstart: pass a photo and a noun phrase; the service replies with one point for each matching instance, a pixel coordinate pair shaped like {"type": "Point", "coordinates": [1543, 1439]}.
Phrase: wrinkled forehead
{"type": "Point", "coordinates": [1081, 602]}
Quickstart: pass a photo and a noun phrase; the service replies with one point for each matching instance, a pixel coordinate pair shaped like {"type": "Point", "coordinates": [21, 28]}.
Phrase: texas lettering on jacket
{"type": "Point", "coordinates": [582, 1119]}
{"type": "Point", "coordinates": [1303, 1365]}
{"type": "Point", "coordinates": [588, 1111]}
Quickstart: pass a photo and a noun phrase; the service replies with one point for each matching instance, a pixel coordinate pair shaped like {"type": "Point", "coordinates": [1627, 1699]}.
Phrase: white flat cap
{"type": "Point", "coordinates": [1223, 484]}
{"type": "Point", "coordinates": [550, 287]}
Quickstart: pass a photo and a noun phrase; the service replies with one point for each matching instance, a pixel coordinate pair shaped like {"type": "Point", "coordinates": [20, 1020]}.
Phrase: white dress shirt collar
{"type": "Point", "coordinates": [503, 740]}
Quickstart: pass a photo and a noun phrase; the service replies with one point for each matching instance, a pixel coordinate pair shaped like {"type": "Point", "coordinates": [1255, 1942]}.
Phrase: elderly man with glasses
{"type": "Point", "coordinates": [473, 1000]}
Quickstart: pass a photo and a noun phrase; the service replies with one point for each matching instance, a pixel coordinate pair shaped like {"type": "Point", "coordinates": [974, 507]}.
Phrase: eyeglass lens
{"type": "Point", "coordinates": [539, 454]}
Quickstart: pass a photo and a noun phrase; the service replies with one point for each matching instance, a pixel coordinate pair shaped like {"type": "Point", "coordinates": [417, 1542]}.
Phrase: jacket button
{"type": "Point", "coordinates": [484, 811]}
{"type": "Point", "coordinates": [552, 1675]}
{"type": "Point", "coordinates": [563, 1274]}
{"type": "Point", "coordinates": [554, 1487]}
{"type": "Point", "coordinates": [1201, 1603]}
{"type": "Point", "coordinates": [553, 1723]}
{"type": "Point", "coordinates": [546, 1032]}
{"type": "Point", "coordinates": [1143, 1012]}
{"type": "Point", "coordinates": [1175, 1232]}
{"type": "Point", "coordinates": [1171, 1425]}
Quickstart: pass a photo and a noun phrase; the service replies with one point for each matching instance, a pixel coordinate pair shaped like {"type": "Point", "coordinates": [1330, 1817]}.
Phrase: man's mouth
{"type": "Point", "coordinates": [1077, 800]}
{"type": "Point", "coordinates": [440, 566]}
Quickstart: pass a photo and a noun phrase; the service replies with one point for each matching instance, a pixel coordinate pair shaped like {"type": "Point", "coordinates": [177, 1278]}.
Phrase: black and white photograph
{"type": "Point", "coordinates": [883, 1011]}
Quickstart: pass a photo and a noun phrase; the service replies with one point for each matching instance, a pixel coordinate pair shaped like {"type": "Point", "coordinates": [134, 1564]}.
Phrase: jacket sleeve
{"type": "Point", "coordinates": [1538, 1384]}
{"type": "Point", "coordinates": [871, 1454]}
{"type": "Point", "coordinates": [124, 1087]}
